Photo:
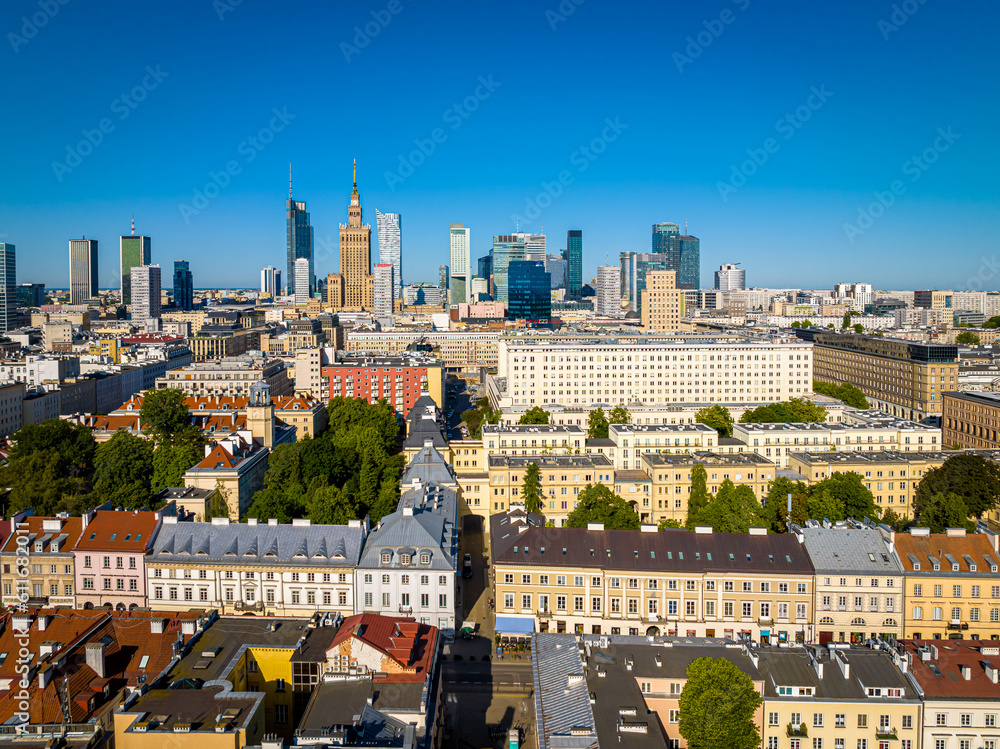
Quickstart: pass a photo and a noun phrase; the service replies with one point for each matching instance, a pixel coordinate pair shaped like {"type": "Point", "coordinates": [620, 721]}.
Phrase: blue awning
{"type": "Point", "coordinates": [514, 625]}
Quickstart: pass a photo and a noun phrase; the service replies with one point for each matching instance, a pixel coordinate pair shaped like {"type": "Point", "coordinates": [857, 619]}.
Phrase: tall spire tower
{"type": "Point", "coordinates": [299, 239]}
{"type": "Point", "coordinates": [356, 255]}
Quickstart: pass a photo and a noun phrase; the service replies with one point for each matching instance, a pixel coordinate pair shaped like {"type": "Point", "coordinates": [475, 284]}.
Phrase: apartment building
{"type": "Point", "coordinates": [670, 480]}
{"type": "Point", "coordinates": [905, 378]}
{"type": "Point", "coordinates": [458, 350]}
{"type": "Point", "coordinates": [776, 441]}
{"type": "Point", "coordinates": [110, 559]}
{"type": "Point", "coordinates": [238, 462]}
{"type": "Point", "coordinates": [529, 439]}
{"type": "Point", "coordinates": [47, 543]}
{"type": "Point", "coordinates": [662, 304]}
{"type": "Point", "coordinates": [592, 371]}
{"type": "Point", "coordinates": [971, 419]}
{"type": "Point", "coordinates": [266, 568]}
{"type": "Point", "coordinates": [629, 442]}
{"type": "Point", "coordinates": [952, 586]}
{"type": "Point", "coordinates": [859, 583]}
{"type": "Point", "coordinates": [959, 691]}
{"type": "Point", "coordinates": [399, 380]}
{"type": "Point", "coordinates": [673, 583]}
{"type": "Point", "coordinates": [562, 478]}
{"type": "Point", "coordinates": [11, 407]}
{"type": "Point", "coordinates": [233, 376]}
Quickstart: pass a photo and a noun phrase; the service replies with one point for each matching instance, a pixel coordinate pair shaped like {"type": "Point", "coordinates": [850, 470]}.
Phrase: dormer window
{"type": "Point", "coordinates": [426, 558]}
{"type": "Point", "coordinates": [404, 558]}
{"type": "Point", "coordinates": [916, 566]}
{"type": "Point", "coordinates": [386, 557]}
{"type": "Point", "coordinates": [39, 546]}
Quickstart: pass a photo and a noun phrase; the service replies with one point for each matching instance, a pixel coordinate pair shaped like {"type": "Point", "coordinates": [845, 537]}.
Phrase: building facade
{"type": "Point", "coordinates": [390, 247]}
{"type": "Point", "coordinates": [663, 304]}
{"type": "Point", "coordinates": [682, 254]}
{"type": "Point", "coordinates": [133, 251]}
{"type": "Point", "coordinates": [145, 290]}
{"type": "Point", "coordinates": [384, 289]}
{"type": "Point", "coordinates": [8, 287]}
{"type": "Point", "coordinates": [971, 419]}
{"type": "Point", "coordinates": [574, 264]}
{"type": "Point", "coordinates": [110, 559]}
{"type": "Point", "coordinates": [183, 285]}
{"type": "Point", "coordinates": [730, 277]}
{"type": "Point", "coordinates": [460, 281]}
{"type": "Point", "coordinates": [608, 290]}
{"type": "Point", "coordinates": [399, 380]}
{"type": "Point", "coordinates": [298, 241]}
{"type": "Point", "coordinates": [529, 291]}
{"type": "Point", "coordinates": [356, 255]}
{"type": "Point", "coordinates": [83, 270]}
{"type": "Point", "coordinates": [302, 281]}
{"type": "Point", "coordinates": [47, 578]}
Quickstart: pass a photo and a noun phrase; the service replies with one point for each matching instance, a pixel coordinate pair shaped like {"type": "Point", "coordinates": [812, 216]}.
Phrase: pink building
{"type": "Point", "coordinates": [479, 310]}
{"type": "Point", "coordinates": [110, 559]}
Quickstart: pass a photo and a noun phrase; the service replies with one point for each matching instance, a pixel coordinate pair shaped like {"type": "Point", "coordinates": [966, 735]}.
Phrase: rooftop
{"type": "Point", "coordinates": [943, 554]}
{"type": "Point", "coordinates": [531, 429]}
{"type": "Point", "coordinates": [843, 548]}
{"type": "Point", "coordinates": [551, 461]}
{"type": "Point", "coordinates": [663, 460]}
{"type": "Point", "coordinates": [116, 530]}
{"type": "Point", "coordinates": [955, 669]}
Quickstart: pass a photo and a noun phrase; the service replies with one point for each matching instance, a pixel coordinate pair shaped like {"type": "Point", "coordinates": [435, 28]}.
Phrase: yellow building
{"type": "Point", "coordinates": [631, 441]}
{"type": "Point", "coordinates": [48, 576]}
{"type": "Point", "coordinates": [663, 304]}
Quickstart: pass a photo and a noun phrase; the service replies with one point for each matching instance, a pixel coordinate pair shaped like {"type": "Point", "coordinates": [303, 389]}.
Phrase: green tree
{"type": "Point", "coordinates": [795, 410]}
{"type": "Point", "coordinates": [824, 505]}
{"type": "Point", "coordinates": [972, 477]}
{"type": "Point", "coordinates": [328, 505]}
{"type": "Point", "coordinates": [698, 498]}
{"type": "Point", "coordinates": [619, 415]}
{"type": "Point", "coordinates": [967, 338]}
{"type": "Point", "coordinates": [942, 511]}
{"type": "Point", "coordinates": [124, 471]}
{"type": "Point", "coordinates": [668, 523]}
{"type": "Point", "coordinates": [481, 414]}
{"type": "Point", "coordinates": [807, 323]}
{"type": "Point", "coordinates": [847, 320]}
{"type": "Point", "coordinates": [992, 323]}
{"type": "Point", "coordinates": [531, 490]}
{"type": "Point", "coordinates": [164, 412]}
{"type": "Point", "coordinates": [718, 705]}
{"type": "Point", "coordinates": [850, 490]}
{"type": "Point", "coordinates": [717, 417]}
{"type": "Point", "coordinates": [271, 502]}
{"type": "Point", "coordinates": [895, 521]}
{"type": "Point", "coordinates": [534, 415]}
{"type": "Point", "coordinates": [218, 503]}
{"type": "Point", "coordinates": [598, 504]}
{"type": "Point", "coordinates": [732, 510]}
{"type": "Point", "coordinates": [796, 324]}
{"type": "Point", "coordinates": [172, 459]}
{"type": "Point", "coordinates": [846, 391]}
{"type": "Point", "coordinates": [773, 514]}
{"type": "Point", "coordinates": [349, 418]}
{"type": "Point", "coordinates": [597, 425]}
{"type": "Point", "coordinates": [859, 328]}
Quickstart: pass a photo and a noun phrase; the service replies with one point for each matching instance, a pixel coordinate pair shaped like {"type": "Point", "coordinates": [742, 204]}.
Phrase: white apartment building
{"type": "Point", "coordinates": [609, 293]}
{"type": "Point", "coordinates": [591, 371]}
{"type": "Point", "coordinates": [384, 286]}
{"type": "Point", "coordinates": [860, 294]}
{"type": "Point", "coordinates": [233, 375]}
{"type": "Point", "coordinates": [533, 439]}
{"type": "Point", "coordinates": [302, 281]}
{"type": "Point", "coordinates": [730, 277]}
{"type": "Point", "coordinates": [145, 292]}
{"type": "Point", "coordinates": [457, 349]}
{"type": "Point", "coordinates": [461, 263]}
{"type": "Point", "coordinates": [390, 247]}
{"type": "Point", "coordinates": [631, 441]}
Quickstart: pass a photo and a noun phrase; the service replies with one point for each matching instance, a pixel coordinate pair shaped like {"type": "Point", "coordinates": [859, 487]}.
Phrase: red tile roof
{"type": "Point", "coordinates": [941, 676]}
{"type": "Point", "coordinates": [113, 530]}
{"type": "Point", "coordinates": [408, 643]}
{"type": "Point", "coordinates": [974, 545]}
{"type": "Point", "coordinates": [72, 527]}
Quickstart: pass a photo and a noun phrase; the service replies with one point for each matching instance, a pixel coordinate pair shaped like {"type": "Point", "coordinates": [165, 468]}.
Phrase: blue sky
{"type": "Point", "coordinates": [783, 133]}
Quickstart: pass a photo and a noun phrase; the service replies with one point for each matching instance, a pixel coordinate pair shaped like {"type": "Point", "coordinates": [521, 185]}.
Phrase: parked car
{"type": "Point", "coordinates": [467, 565]}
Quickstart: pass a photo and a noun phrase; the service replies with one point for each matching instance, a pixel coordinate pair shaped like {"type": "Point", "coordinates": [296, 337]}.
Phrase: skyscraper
{"type": "Point", "coordinates": [632, 277]}
{"type": "Point", "coordinates": [485, 270]}
{"type": "Point", "coordinates": [529, 291]}
{"type": "Point", "coordinates": [145, 286]}
{"type": "Point", "coordinates": [82, 270]}
{"type": "Point", "coordinates": [30, 294]}
{"type": "Point", "coordinates": [730, 278]}
{"type": "Point", "coordinates": [609, 295]}
{"type": "Point", "coordinates": [534, 247]}
{"type": "Point", "coordinates": [134, 251]}
{"type": "Point", "coordinates": [443, 281]}
{"type": "Point", "coordinates": [8, 286]}
{"type": "Point", "coordinates": [385, 289]}
{"type": "Point", "coordinates": [302, 281]}
{"type": "Point", "coordinates": [683, 254]}
{"type": "Point", "coordinates": [662, 302]}
{"type": "Point", "coordinates": [461, 263]}
{"type": "Point", "coordinates": [507, 248]}
{"type": "Point", "coordinates": [556, 266]}
{"type": "Point", "coordinates": [298, 238]}
{"type": "Point", "coordinates": [183, 285]}
{"type": "Point", "coordinates": [574, 264]}
{"type": "Point", "coordinates": [356, 255]}
{"type": "Point", "coordinates": [270, 281]}
{"type": "Point", "coordinates": [390, 246]}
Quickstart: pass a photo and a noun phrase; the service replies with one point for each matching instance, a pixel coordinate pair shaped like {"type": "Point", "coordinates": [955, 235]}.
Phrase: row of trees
{"type": "Point", "coordinates": [598, 423]}
{"type": "Point", "coordinates": [795, 410]}
{"type": "Point", "coordinates": [847, 392]}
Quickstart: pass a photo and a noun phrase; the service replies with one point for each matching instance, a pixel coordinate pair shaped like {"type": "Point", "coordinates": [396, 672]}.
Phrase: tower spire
{"type": "Point", "coordinates": [289, 181]}
{"type": "Point", "coordinates": [355, 175]}
{"type": "Point", "coordinates": [133, 224]}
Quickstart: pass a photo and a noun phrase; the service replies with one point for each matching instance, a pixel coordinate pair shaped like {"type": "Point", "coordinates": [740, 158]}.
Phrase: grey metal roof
{"type": "Point", "coordinates": [846, 549]}
{"type": "Point", "coordinates": [207, 543]}
{"type": "Point", "coordinates": [798, 667]}
{"type": "Point", "coordinates": [429, 467]}
{"type": "Point", "coordinates": [423, 531]}
{"type": "Point", "coordinates": [563, 713]}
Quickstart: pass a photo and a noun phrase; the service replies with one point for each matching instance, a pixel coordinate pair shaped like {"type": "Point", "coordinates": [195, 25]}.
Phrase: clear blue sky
{"type": "Point", "coordinates": [886, 91]}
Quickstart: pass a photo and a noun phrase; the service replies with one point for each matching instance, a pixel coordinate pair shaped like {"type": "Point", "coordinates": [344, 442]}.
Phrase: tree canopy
{"type": "Point", "coordinates": [718, 705]}
{"type": "Point", "coordinates": [698, 498]}
{"type": "Point", "coordinates": [531, 490]}
{"type": "Point", "coordinates": [733, 509]}
{"type": "Point", "coordinates": [942, 511]}
{"type": "Point", "coordinates": [973, 478]}
{"type": "Point", "coordinates": [619, 415]}
{"type": "Point", "coordinates": [841, 496]}
{"type": "Point", "coordinates": [123, 472]}
{"type": "Point", "coordinates": [597, 425]}
{"type": "Point", "coordinates": [967, 338]}
{"type": "Point", "coordinates": [848, 392]}
{"type": "Point", "coordinates": [598, 504]}
{"type": "Point", "coordinates": [534, 415]}
{"type": "Point", "coordinates": [164, 413]}
{"type": "Point", "coordinates": [717, 417]}
{"type": "Point", "coordinates": [50, 468]}
{"type": "Point", "coordinates": [795, 411]}
{"type": "Point", "coordinates": [481, 414]}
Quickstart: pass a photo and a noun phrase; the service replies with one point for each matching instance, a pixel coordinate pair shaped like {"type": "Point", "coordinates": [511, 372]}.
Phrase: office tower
{"type": "Point", "coordinates": [183, 285]}
{"type": "Point", "coordinates": [134, 251]}
{"type": "Point", "coordinates": [8, 286]}
{"type": "Point", "coordinates": [335, 291]}
{"type": "Point", "coordinates": [384, 289]}
{"type": "Point", "coordinates": [609, 295]}
{"type": "Point", "coordinates": [298, 238]}
{"type": "Point", "coordinates": [556, 266]}
{"type": "Point", "coordinates": [82, 270]}
{"type": "Point", "coordinates": [632, 275]}
{"type": "Point", "coordinates": [390, 246]}
{"type": "Point", "coordinates": [461, 263]}
{"type": "Point", "coordinates": [730, 277]}
{"type": "Point", "coordinates": [485, 268]}
{"type": "Point", "coordinates": [534, 246]}
{"type": "Point", "coordinates": [507, 248]}
{"type": "Point", "coordinates": [145, 286]}
{"type": "Point", "coordinates": [683, 254]}
{"type": "Point", "coordinates": [529, 291]}
{"type": "Point", "coordinates": [356, 255]}
{"type": "Point", "coordinates": [30, 294]}
{"type": "Point", "coordinates": [302, 281]}
{"type": "Point", "coordinates": [443, 271]}
{"type": "Point", "coordinates": [480, 289]}
{"type": "Point", "coordinates": [663, 303]}
{"type": "Point", "coordinates": [270, 281]}
{"type": "Point", "coordinates": [574, 264]}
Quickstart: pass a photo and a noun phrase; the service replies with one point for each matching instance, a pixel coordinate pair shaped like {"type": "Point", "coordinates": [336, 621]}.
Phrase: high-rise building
{"type": "Point", "coordinates": [298, 238]}
{"type": "Point", "coordinates": [82, 270]}
{"type": "Point", "coordinates": [662, 302]}
{"type": "Point", "coordinates": [183, 285]}
{"type": "Point", "coordinates": [507, 248]}
{"type": "Point", "coordinates": [556, 266]}
{"type": "Point", "coordinates": [729, 277]}
{"type": "Point", "coordinates": [632, 274]}
{"type": "Point", "coordinates": [683, 254]}
{"type": "Point", "coordinates": [443, 271]}
{"type": "Point", "coordinates": [384, 289]}
{"type": "Point", "coordinates": [529, 291]}
{"type": "Point", "coordinates": [534, 247]}
{"type": "Point", "coordinates": [270, 281]}
{"type": "Point", "coordinates": [461, 263]}
{"type": "Point", "coordinates": [485, 270]}
{"type": "Point", "coordinates": [860, 294]}
{"type": "Point", "coordinates": [609, 295]}
{"type": "Point", "coordinates": [134, 251]}
{"type": "Point", "coordinates": [145, 288]}
{"type": "Point", "coordinates": [480, 289]}
{"type": "Point", "coordinates": [932, 299]}
{"type": "Point", "coordinates": [356, 255]}
{"type": "Point", "coordinates": [30, 294]}
{"type": "Point", "coordinates": [302, 281]}
{"type": "Point", "coordinates": [574, 264]}
{"type": "Point", "coordinates": [8, 286]}
{"type": "Point", "coordinates": [390, 246]}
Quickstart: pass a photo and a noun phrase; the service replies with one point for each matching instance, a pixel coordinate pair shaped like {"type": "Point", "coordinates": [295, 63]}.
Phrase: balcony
{"type": "Point", "coordinates": [797, 731]}
{"type": "Point", "coordinates": [406, 610]}
{"type": "Point", "coordinates": [885, 734]}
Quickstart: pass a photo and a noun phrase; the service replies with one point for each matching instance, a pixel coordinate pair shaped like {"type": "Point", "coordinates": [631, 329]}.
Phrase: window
{"type": "Point", "coordinates": [281, 713]}
{"type": "Point", "coordinates": [279, 685]}
{"type": "Point", "coordinates": [796, 719]}
{"type": "Point", "coordinates": [990, 720]}
{"type": "Point", "coordinates": [862, 721]}
{"type": "Point", "coordinates": [772, 719]}
{"type": "Point", "coordinates": [966, 720]}
{"type": "Point", "coordinates": [675, 715]}
{"type": "Point", "coordinates": [818, 720]}
{"type": "Point", "coordinates": [840, 720]}
{"type": "Point", "coordinates": [941, 719]}
{"type": "Point", "coordinates": [907, 721]}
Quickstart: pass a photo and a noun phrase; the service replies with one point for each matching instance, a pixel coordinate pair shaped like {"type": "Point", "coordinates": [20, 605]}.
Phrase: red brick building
{"type": "Point", "coordinates": [400, 380]}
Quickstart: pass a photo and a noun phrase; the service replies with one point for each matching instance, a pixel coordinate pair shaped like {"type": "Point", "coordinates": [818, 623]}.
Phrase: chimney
{"type": "Point", "coordinates": [845, 667]}
{"type": "Point", "coordinates": [95, 657]}
{"type": "Point", "coordinates": [156, 626]}
{"type": "Point", "coordinates": [43, 622]}
{"type": "Point", "coordinates": [44, 677]}
{"type": "Point", "coordinates": [966, 672]}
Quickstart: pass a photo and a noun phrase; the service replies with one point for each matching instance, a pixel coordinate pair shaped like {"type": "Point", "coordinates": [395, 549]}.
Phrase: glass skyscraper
{"type": "Point", "coordinates": [529, 291]}
{"type": "Point", "coordinates": [507, 248]}
{"type": "Point", "coordinates": [299, 240]}
{"type": "Point", "coordinates": [574, 264]}
{"type": "Point", "coordinates": [82, 270]}
{"type": "Point", "coordinates": [390, 246]}
{"type": "Point", "coordinates": [485, 270]}
{"type": "Point", "coordinates": [8, 286]}
{"type": "Point", "coordinates": [683, 254]}
{"type": "Point", "coordinates": [134, 251]}
{"type": "Point", "coordinates": [183, 285]}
